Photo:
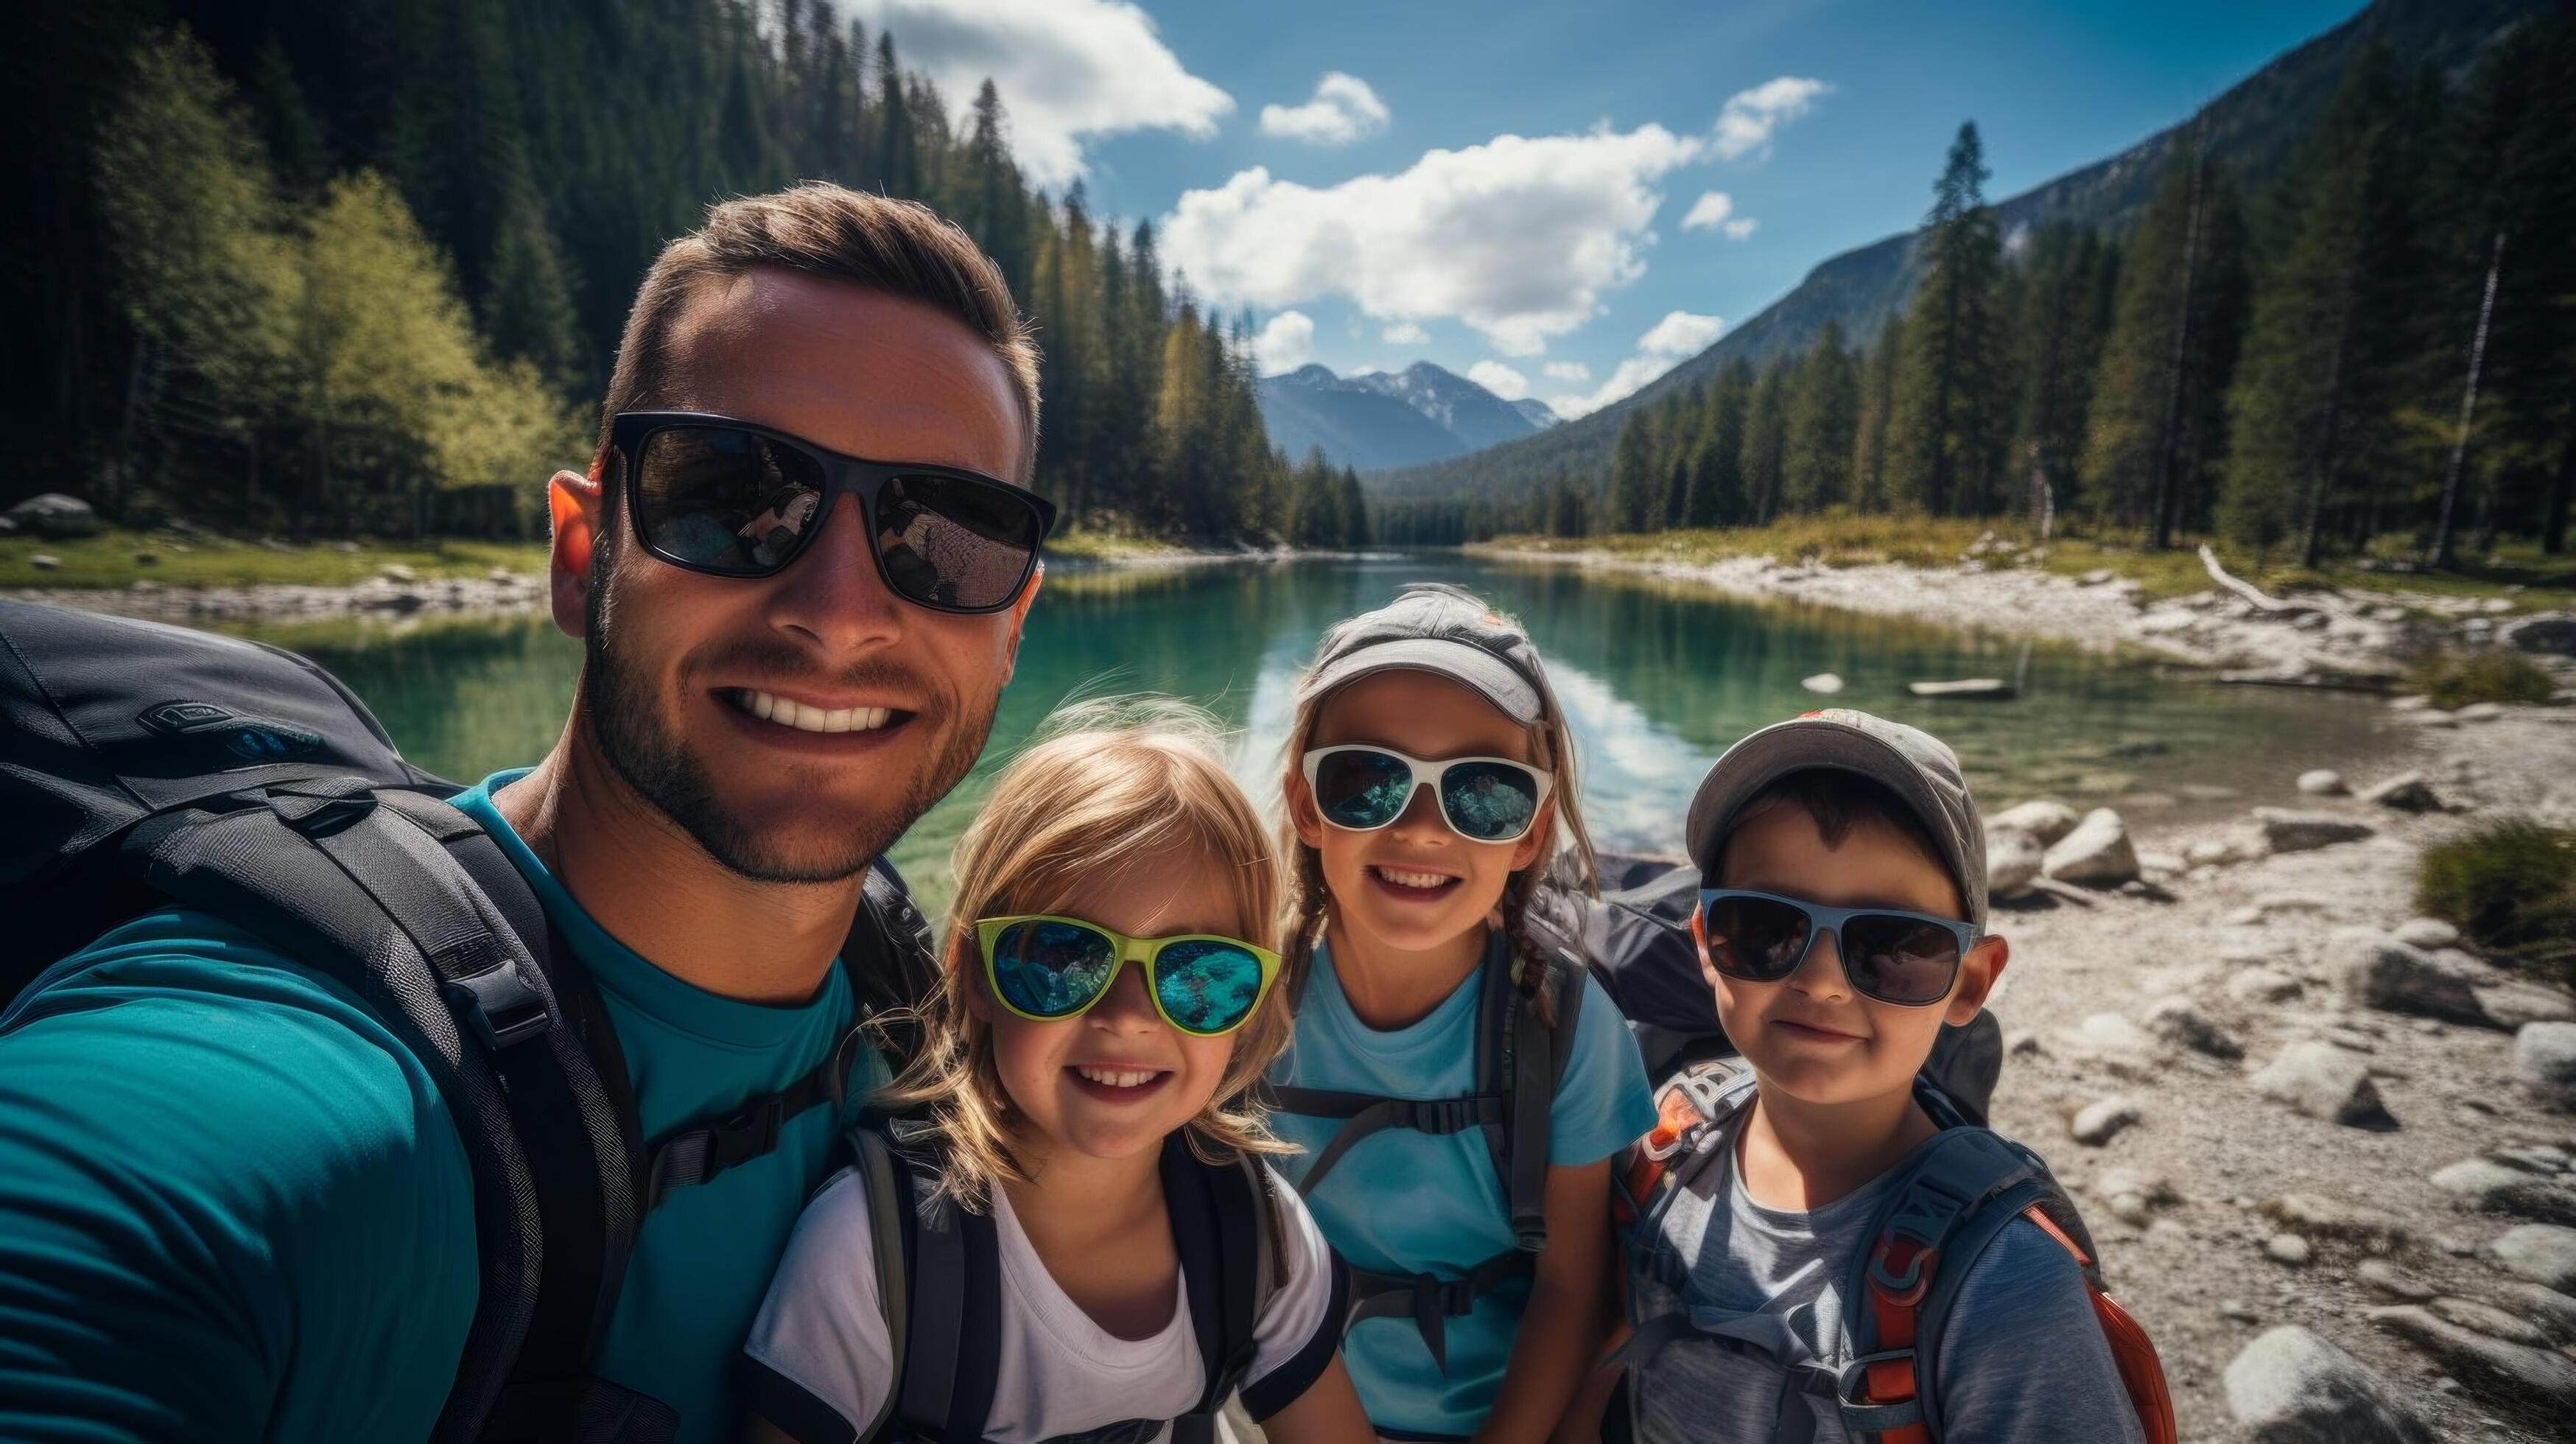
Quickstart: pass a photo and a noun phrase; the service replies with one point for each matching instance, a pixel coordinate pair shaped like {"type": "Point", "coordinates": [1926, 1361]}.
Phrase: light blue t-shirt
{"type": "Point", "coordinates": [1403, 1202]}
{"type": "Point", "coordinates": [233, 1205]}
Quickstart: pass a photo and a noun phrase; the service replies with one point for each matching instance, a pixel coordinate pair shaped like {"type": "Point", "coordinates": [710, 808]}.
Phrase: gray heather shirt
{"type": "Point", "coordinates": [2021, 1361]}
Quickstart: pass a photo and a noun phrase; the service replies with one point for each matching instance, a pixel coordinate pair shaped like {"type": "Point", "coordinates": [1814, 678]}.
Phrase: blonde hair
{"type": "Point", "coordinates": [1107, 783]}
{"type": "Point", "coordinates": [1565, 844]}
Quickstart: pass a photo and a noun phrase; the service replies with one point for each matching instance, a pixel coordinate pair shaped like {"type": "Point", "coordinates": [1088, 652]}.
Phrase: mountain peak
{"type": "Point", "coordinates": [1373, 419]}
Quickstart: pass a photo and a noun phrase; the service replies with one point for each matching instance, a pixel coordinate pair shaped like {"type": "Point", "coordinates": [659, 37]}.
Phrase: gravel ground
{"type": "Point", "coordinates": [2223, 1150]}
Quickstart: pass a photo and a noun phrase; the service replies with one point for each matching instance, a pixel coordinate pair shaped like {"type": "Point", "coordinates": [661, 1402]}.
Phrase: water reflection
{"type": "Point", "coordinates": [1658, 681]}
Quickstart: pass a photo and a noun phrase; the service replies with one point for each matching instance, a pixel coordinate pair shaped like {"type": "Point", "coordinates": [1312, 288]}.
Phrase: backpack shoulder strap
{"type": "Point", "coordinates": [1692, 1107]}
{"type": "Point", "coordinates": [886, 1175]}
{"type": "Point", "coordinates": [952, 1316]}
{"type": "Point", "coordinates": [1222, 1230]}
{"type": "Point", "coordinates": [1537, 1052]}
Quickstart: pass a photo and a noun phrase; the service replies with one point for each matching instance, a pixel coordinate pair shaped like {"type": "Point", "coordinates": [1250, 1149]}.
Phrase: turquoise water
{"type": "Point", "coordinates": [1657, 679]}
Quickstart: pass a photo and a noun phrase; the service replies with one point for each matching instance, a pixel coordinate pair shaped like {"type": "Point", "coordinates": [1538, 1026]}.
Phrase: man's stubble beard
{"type": "Point", "coordinates": [644, 749]}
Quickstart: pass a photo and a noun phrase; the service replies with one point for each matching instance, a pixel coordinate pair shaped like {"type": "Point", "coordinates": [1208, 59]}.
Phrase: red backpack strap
{"type": "Point", "coordinates": [2142, 1373]}
{"type": "Point", "coordinates": [1701, 1097]}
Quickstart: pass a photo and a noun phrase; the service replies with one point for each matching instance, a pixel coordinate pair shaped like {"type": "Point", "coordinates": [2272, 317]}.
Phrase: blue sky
{"type": "Point", "coordinates": [1388, 217]}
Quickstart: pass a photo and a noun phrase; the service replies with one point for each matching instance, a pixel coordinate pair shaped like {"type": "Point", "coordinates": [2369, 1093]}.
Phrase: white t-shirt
{"type": "Point", "coordinates": [1061, 1377]}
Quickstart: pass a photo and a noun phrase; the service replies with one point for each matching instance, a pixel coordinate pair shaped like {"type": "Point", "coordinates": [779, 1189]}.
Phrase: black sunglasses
{"type": "Point", "coordinates": [724, 497]}
{"type": "Point", "coordinates": [1909, 959]}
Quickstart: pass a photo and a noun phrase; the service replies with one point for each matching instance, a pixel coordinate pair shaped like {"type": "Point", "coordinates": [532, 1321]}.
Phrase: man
{"type": "Point", "coordinates": [232, 1204]}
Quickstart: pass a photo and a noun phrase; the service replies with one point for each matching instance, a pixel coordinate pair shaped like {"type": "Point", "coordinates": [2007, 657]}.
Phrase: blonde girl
{"type": "Point", "coordinates": [1429, 787]}
{"type": "Point", "coordinates": [1091, 1048]}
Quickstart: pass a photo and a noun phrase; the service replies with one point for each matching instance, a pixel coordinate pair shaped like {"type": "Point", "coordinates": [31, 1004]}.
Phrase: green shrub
{"type": "Point", "coordinates": [2456, 679]}
{"type": "Point", "coordinates": [2510, 886]}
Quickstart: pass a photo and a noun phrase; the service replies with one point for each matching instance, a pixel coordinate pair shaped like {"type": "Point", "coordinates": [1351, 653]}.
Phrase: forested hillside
{"type": "Point", "coordinates": [2373, 337]}
{"type": "Point", "coordinates": [356, 267]}
{"type": "Point", "coordinates": [2256, 131]}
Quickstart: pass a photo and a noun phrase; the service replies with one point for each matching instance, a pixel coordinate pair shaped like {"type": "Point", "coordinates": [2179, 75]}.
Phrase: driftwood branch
{"type": "Point", "coordinates": [2253, 595]}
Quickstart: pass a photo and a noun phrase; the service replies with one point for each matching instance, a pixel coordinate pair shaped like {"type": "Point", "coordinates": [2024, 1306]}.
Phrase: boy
{"type": "Point", "coordinates": [1841, 924]}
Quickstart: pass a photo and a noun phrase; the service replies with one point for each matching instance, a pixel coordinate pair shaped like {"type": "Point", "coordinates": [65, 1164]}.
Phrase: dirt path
{"type": "Point", "coordinates": [2195, 1270]}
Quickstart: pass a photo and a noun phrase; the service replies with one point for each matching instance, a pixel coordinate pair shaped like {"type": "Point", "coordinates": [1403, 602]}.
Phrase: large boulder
{"type": "Point", "coordinates": [2501, 1371]}
{"type": "Point", "coordinates": [55, 516]}
{"type": "Point", "coordinates": [2290, 1386]}
{"type": "Point", "coordinates": [2045, 819]}
{"type": "Point", "coordinates": [2544, 1058]}
{"type": "Point", "coordinates": [2510, 1005]}
{"type": "Point", "coordinates": [2492, 1187]}
{"type": "Point", "coordinates": [2012, 863]}
{"type": "Point", "coordinates": [2544, 1253]}
{"type": "Point", "coordinates": [2289, 829]}
{"type": "Point", "coordinates": [2097, 852]}
{"type": "Point", "coordinates": [2405, 792]}
{"type": "Point", "coordinates": [2179, 1020]}
{"type": "Point", "coordinates": [2550, 632]}
{"type": "Point", "coordinates": [2377, 971]}
{"type": "Point", "coordinates": [2323, 1081]}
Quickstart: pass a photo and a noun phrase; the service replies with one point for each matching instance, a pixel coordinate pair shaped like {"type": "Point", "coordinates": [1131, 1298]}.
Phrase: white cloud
{"type": "Point", "coordinates": [1681, 334]}
{"type": "Point", "coordinates": [1739, 228]}
{"type": "Point", "coordinates": [1404, 333]}
{"type": "Point", "coordinates": [1666, 344]}
{"type": "Point", "coordinates": [1343, 110]}
{"type": "Point", "coordinates": [1745, 123]}
{"type": "Point", "coordinates": [1568, 370]}
{"type": "Point", "coordinates": [1500, 379]}
{"type": "Point", "coordinates": [1706, 213]}
{"type": "Point", "coordinates": [1516, 237]}
{"type": "Point", "coordinates": [1287, 343]}
{"type": "Point", "coordinates": [1068, 71]}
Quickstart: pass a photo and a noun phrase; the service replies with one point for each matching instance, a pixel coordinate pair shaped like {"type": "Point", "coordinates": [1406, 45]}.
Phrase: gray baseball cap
{"type": "Point", "coordinates": [1432, 627]}
{"type": "Point", "coordinates": [1908, 761]}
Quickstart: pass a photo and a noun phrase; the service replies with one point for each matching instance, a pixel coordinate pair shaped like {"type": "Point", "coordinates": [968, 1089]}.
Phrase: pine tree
{"type": "Point", "coordinates": [1947, 432]}
{"type": "Point", "coordinates": [1718, 495]}
{"type": "Point", "coordinates": [1877, 401]}
{"type": "Point", "coordinates": [1766, 443]}
{"type": "Point", "coordinates": [1823, 423]}
{"type": "Point", "coordinates": [1635, 487]}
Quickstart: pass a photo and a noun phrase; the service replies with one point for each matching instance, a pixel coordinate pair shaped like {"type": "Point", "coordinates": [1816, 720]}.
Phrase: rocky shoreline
{"type": "Point", "coordinates": [2324, 1146]}
{"type": "Point", "coordinates": [2319, 638]}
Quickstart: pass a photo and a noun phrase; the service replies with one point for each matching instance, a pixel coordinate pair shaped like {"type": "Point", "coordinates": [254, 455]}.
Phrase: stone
{"type": "Point", "coordinates": [2409, 704]}
{"type": "Point", "coordinates": [2179, 1020]}
{"type": "Point", "coordinates": [2511, 1005]}
{"type": "Point", "coordinates": [2097, 1122]}
{"type": "Point", "coordinates": [2433, 717]}
{"type": "Point", "coordinates": [2513, 1374]}
{"type": "Point", "coordinates": [2289, 1248]}
{"type": "Point", "coordinates": [55, 517]}
{"type": "Point", "coordinates": [2163, 862]}
{"type": "Point", "coordinates": [2377, 971]}
{"type": "Point", "coordinates": [2541, 1158]}
{"type": "Point", "coordinates": [2480, 712]}
{"type": "Point", "coordinates": [2548, 1310]}
{"type": "Point", "coordinates": [45, 562]}
{"type": "Point", "coordinates": [2046, 819]}
{"type": "Point", "coordinates": [2492, 1187]}
{"type": "Point", "coordinates": [2291, 830]}
{"type": "Point", "coordinates": [2489, 1320]}
{"type": "Point", "coordinates": [2237, 1310]}
{"type": "Point", "coordinates": [2111, 1033]}
{"type": "Point", "coordinates": [2012, 863]}
{"type": "Point", "coordinates": [2550, 632]}
{"type": "Point", "coordinates": [2262, 985]}
{"type": "Point", "coordinates": [2406, 792]}
{"type": "Point", "coordinates": [2022, 1043]}
{"type": "Point", "coordinates": [2322, 782]}
{"type": "Point", "coordinates": [2426, 933]}
{"type": "Point", "coordinates": [397, 572]}
{"type": "Point", "coordinates": [2098, 576]}
{"type": "Point", "coordinates": [2097, 853]}
{"type": "Point", "coordinates": [1825, 682]}
{"type": "Point", "coordinates": [2544, 1058]}
{"type": "Point", "coordinates": [2209, 852]}
{"type": "Point", "coordinates": [2289, 1386]}
{"type": "Point", "coordinates": [2322, 1081]}
{"type": "Point", "coordinates": [2393, 1281]}
{"type": "Point", "coordinates": [2544, 1253]}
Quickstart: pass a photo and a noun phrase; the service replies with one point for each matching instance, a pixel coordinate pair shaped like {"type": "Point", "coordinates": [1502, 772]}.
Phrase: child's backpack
{"type": "Point", "coordinates": [1958, 1193]}
{"type": "Point", "coordinates": [144, 766]}
{"type": "Point", "coordinates": [939, 1281]}
{"type": "Point", "coordinates": [1520, 1059]}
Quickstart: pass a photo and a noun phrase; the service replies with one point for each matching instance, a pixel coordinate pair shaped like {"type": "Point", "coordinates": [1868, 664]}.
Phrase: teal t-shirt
{"type": "Point", "coordinates": [233, 1206]}
{"type": "Point", "coordinates": [1403, 1202]}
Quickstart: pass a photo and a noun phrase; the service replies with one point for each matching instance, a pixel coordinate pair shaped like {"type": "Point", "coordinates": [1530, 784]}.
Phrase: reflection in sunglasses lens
{"type": "Point", "coordinates": [1205, 986]}
{"type": "Point", "coordinates": [1489, 801]}
{"type": "Point", "coordinates": [1757, 939]}
{"type": "Point", "coordinates": [1362, 788]}
{"type": "Point", "coordinates": [1051, 969]}
{"type": "Point", "coordinates": [1900, 960]}
{"type": "Point", "coordinates": [951, 542]}
{"type": "Point", "coordinates": [726, 500]}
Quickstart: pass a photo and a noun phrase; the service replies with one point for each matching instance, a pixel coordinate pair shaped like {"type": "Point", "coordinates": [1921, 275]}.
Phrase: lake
{"type": "Point", "coordinates": [1658, 680]}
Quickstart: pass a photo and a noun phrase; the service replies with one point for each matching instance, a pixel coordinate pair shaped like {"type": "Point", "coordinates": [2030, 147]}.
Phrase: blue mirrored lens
{"type": "Point", "coordinates": [1207, 986]}
{"type": "Point", "coordinates": [1489, 801]}
{"type": "Point", "coordinates": [1362, 789]}
{"type": "Point", "coordinates": [1050, 969]}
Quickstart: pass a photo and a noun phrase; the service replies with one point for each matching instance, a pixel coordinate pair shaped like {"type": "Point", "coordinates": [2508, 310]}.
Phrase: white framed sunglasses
{"type": "Point", "coordinates": [1362, 788]}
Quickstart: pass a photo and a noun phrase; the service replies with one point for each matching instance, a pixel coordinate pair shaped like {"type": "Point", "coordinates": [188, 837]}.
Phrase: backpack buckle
{"type": "Point", "coordinates": [321, 806]}
{"type": "Point", "coordinates": [746, 1135]}
{"type": "Point", "coordinates": [1445, 1115]}
{"type": "Point", "coordinates": [498, 1004]}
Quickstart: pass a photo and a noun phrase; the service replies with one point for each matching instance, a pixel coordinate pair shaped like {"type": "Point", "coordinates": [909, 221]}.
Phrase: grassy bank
{"type": "Point", "coordinates": [1101, 546]}
{"type": "Point", "coordinates": [2519, 573]}
{"type": "Point", "coordinates": [115, 558]}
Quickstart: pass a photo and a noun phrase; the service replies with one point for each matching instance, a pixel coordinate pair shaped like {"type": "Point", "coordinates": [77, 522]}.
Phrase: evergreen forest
{"type": "Point", "coordinates": [2376, 350]}
{"type": "Point", "coordinates": [320, 270]}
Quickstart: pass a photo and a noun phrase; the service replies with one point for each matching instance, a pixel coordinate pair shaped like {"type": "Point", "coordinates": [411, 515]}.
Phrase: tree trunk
{"type": "Point", "coordinates": [2553, 524]}
{"type": "Point", "coordinates": [2322, 488]}
{"type": "Point", "coordinates": [2468, 409]}
{"type": "Point", "coordinates": [2170, 439]}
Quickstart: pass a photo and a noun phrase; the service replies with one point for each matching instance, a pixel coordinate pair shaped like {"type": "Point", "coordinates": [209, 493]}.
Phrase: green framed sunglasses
{"type": "Point", "coordinates": [1047, 969]}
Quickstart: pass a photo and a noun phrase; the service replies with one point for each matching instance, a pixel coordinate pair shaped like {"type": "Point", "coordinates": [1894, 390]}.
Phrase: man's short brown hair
{"type": "Point", "coordinates": [902, 248]}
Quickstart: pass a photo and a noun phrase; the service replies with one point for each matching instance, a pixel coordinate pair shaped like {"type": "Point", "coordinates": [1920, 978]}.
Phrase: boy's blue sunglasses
{"type": "Point", "coordinates": [1909, 959]}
